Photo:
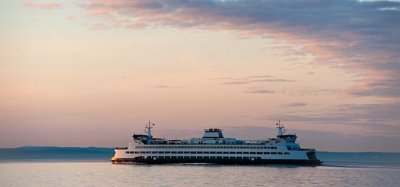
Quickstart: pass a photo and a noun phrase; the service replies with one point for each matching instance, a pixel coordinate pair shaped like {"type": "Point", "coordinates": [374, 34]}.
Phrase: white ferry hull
{"type": "Point", "coordinates": [233, 161]}
{"type": "Point", "coordinates": [300, 157]}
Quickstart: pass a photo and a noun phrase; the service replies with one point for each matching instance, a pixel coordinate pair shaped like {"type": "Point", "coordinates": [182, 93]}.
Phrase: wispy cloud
{"type": "Point", "coordinates": [260, 91]}
{"type": "Point", "coordinates": [381, 118]}
{"type": "Point", "coordinates": [295, 104]}
{"type": "Point", "coordinates": [41, 5]}
{"type": "Point", "coordinates": [167, 86]}
{"type": "Point", "coordinates": [360, 36]}
{"type": "Point", "coordinates": [252, 79]}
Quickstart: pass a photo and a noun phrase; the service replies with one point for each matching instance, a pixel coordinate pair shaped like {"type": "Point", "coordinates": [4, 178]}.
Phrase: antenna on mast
{"type": "Point", "coordinates": [280, 128]}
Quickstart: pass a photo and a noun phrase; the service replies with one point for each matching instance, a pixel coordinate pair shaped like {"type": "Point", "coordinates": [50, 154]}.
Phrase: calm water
{"type": "Point", "coordinates": [107, 174]}
{"type": "Point", "coordinates": [91, 167]}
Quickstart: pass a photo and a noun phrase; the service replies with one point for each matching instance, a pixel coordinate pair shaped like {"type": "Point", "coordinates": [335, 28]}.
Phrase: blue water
{"type": "Point", "coordinates": [54, 166]}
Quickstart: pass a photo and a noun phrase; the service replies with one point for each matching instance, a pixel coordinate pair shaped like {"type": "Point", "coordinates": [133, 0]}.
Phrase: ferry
{"type": "Point", "coordinates": [213, 147]}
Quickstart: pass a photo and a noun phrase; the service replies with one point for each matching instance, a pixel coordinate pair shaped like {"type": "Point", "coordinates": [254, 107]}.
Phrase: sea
{"type": "Point", "coordinates": [75, 166]}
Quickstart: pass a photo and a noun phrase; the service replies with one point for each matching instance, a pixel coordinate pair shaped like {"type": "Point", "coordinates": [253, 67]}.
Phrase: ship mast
{"type": "Point", "coordinates": [281, 128]}
{"type": "Point", "coordinates": [148, 130]}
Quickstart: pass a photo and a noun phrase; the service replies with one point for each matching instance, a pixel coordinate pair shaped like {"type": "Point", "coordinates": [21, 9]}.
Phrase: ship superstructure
{"type": "Point", "coordinates": [213, 147]}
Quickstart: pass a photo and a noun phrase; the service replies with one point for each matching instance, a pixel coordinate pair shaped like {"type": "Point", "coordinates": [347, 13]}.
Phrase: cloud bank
{"type": "Point", "coordinates": [361, 37]}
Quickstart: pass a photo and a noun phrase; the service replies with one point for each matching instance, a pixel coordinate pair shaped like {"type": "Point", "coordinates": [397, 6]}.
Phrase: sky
{"type": "Point", "coordinates": [93, 72]}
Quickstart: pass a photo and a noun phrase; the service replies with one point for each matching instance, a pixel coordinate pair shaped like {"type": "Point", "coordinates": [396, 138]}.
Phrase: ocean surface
{"type": "Point", "coordinates": [65, 166]}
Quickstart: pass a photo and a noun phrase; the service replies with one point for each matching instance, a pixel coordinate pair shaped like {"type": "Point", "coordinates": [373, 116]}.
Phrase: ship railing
{"type": "Point", "coordinates": [121, 148]}
{"type": "Point", "coordinates": [255, 141]}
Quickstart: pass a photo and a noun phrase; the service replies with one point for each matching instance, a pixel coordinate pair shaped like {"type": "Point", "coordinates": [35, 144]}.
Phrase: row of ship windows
{"type": "Point", "coordinates": [204, 157]}
{"type": "Point", "coordinates": [203, 147]}
{"type": "Point", "coordinates": [205, 152]}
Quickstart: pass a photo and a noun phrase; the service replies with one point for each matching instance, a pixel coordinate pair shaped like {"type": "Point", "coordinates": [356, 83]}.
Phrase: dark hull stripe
{"type": "Point", "coordinates": [218, 161]}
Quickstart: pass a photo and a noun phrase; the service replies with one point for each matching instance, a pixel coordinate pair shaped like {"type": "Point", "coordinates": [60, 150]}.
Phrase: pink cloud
{"type": "Point", "coordinates": [41, 5]}
{"type": "Point", "coordinates": [354, 36]}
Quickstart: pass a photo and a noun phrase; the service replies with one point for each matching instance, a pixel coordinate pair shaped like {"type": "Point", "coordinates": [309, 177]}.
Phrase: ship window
{"type": "Point", "coordinates": [186, 157]}
{"type": "Point", "coordinates": [167, 152]}
{"type": "Point", "coordinates": [161, 152]}
{"type": "Point", "coordinates": [226, 152]}
{"type": "Point", "coordinates": [132, 152]}
{"type": "Point", "coordinates": [245, 152]}
{"type": "Point", "coordinates": [206, 152]}
{"type": "Point", "coordinates": [127, 152]}
{"type": "Point", "coordinates": [238, 152]}
{"type": "Point", "coordinates": [154, 152]}
{"type": "Point", "coordinates": [199, 152]}
{"type": "Point", "coordinates": [274, 153]}
{"type": "Point", "coordinates": [259, 153]}
{"type": "Point", "coordinates": [212, 152]}
{"type": "Point", "coordinates": [231, 152]}
{"type": "Point", "coordinates": [142, 152]}
{"type": "Point", "coordinates": [186, 152]}
{"type": "Point", "coordinates": [286, 153]}
{"type": "Point", "coordinates": [266, 153]}
{"type": "Point", "coordinates": [136, 152]}
{"type": "Point", "coordinates": [252, 152]}
{"type": "Point", "coordinates": [148, 152]}
{"type": "Point", "coordinates": [193, 152]}
{"type": "Point", "coordinates": [219, 152]}
{"type": "Point", "coordinates": [180, 152]}
{"type": "Point", "coordinates": [279, 153]}
{"type": "Point", "coordinates": [173, 152]}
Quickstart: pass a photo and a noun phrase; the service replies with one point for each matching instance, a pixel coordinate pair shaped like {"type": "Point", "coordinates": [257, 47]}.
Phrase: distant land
{"type": "Point", "coordinates": [37, 153]}
{"type": "Point", "coordinates": [56, 153]}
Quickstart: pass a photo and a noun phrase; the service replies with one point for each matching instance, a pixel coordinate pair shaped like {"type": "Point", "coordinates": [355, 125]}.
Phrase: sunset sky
{"type": "Point", "coordinates": [93, 72]}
